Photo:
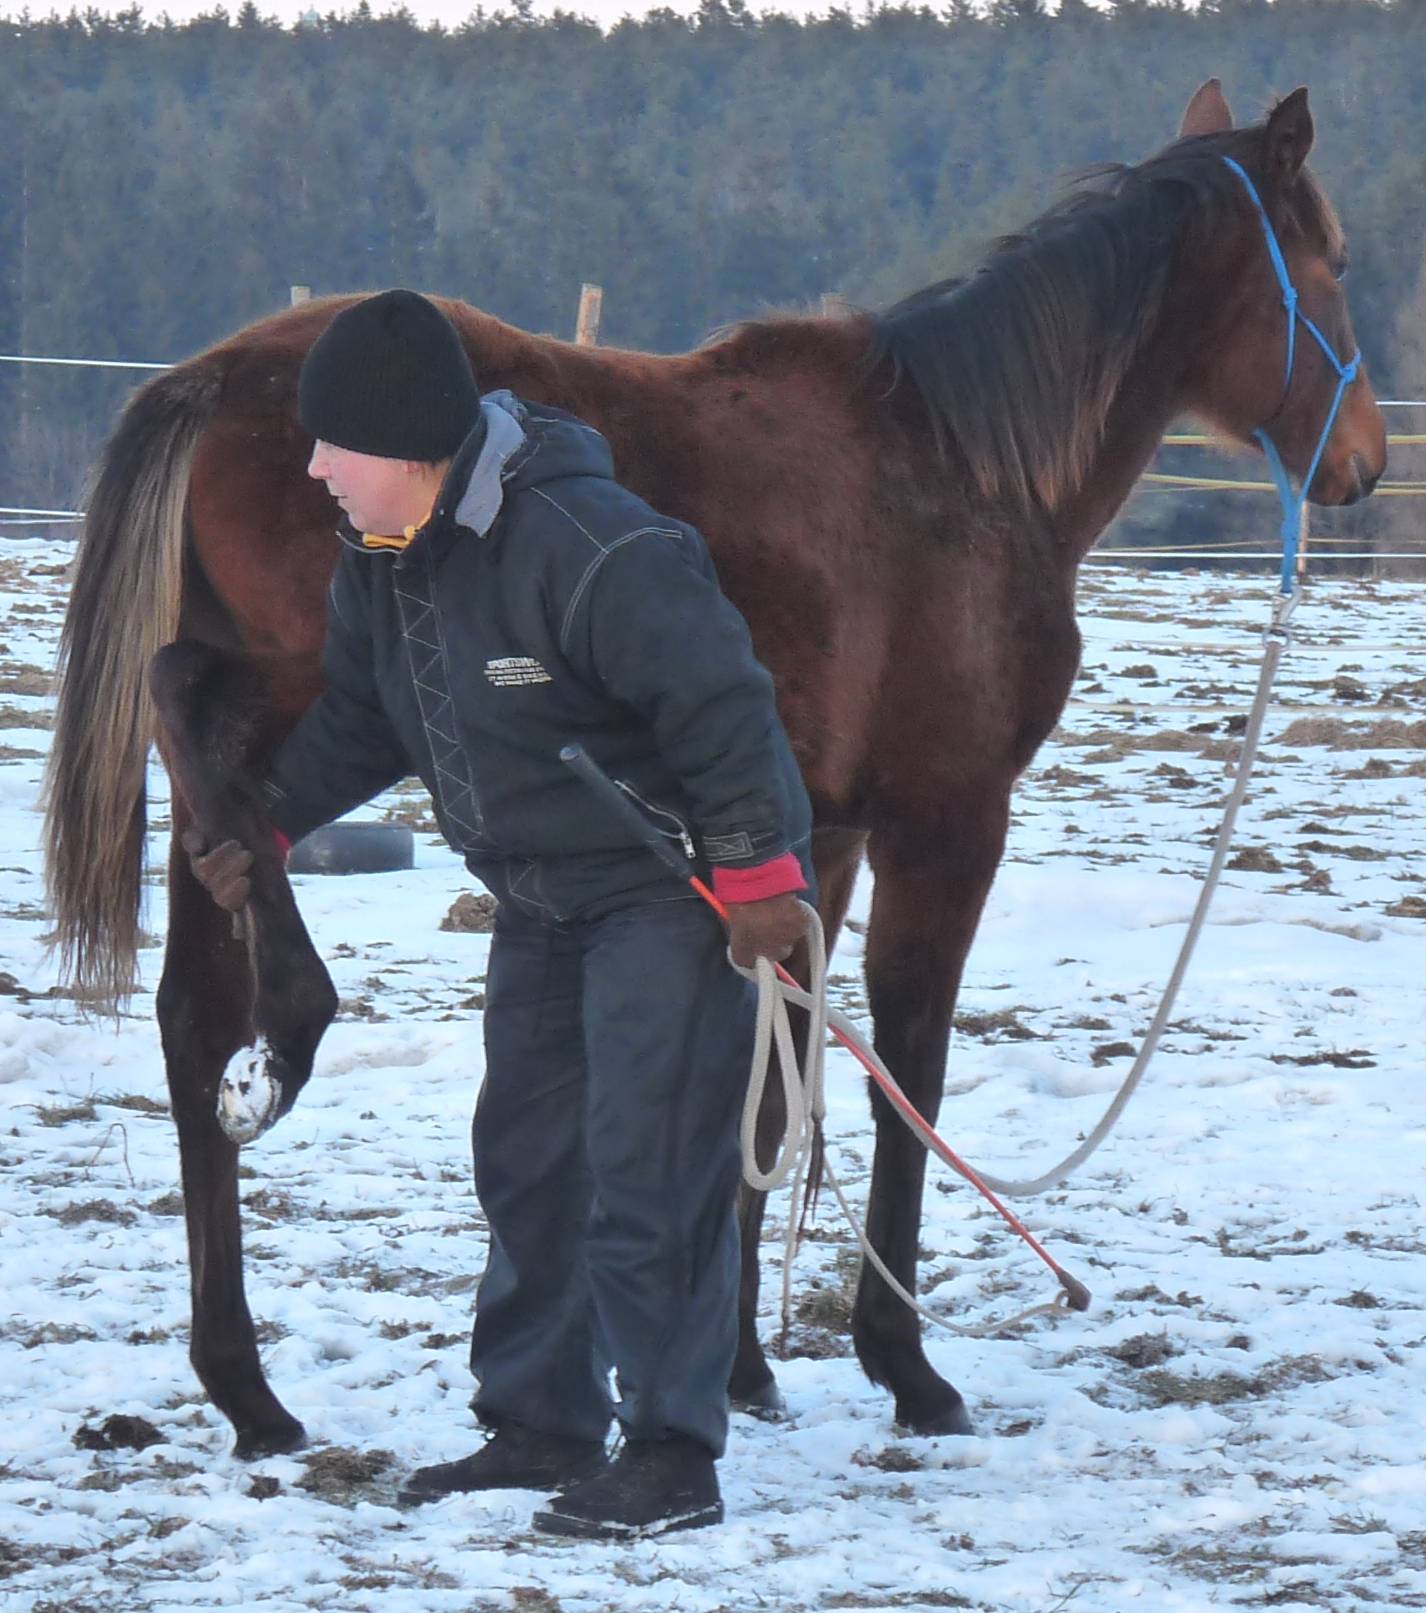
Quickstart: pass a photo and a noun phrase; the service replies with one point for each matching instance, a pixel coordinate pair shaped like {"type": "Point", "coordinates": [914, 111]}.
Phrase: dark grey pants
{"type": "Point", "coordinates": [606, 1161]}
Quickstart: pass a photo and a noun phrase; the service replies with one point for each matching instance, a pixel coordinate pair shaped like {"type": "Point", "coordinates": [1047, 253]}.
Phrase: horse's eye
{"type": "Point", "coordinates": [1340, 273]}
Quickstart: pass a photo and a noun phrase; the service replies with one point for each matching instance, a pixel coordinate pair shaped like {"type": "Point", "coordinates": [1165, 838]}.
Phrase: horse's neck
{"type": "Point", "coordinates": [1142, 411]}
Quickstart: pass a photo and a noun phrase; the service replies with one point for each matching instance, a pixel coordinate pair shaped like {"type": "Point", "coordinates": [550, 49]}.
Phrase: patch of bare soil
{"type": "Point", "coordinates": [135, 1102]}
{"type": "Point", "coordinates": [61, 1114]}
{"type": "Point", "coordinates": [27, 680]}
{"type": "Point", "coordinates": [18, 717]}
{"type": "Point", "coordinates": [1060, 777]}
{"type": "Point", "coordinates": [1353, 1058]}
{"type": "Point", "coordinates": [70, 1215]}
{"type": "Point", "coordinates": [822, 1312]}
{"type": "Point", "coordinates": [471, 914]}
{"type": "Point", "coordinates": [1163, 1388]}
{"type": "Point", "coordinates": [343, 1476]}
{"type": "Point", "coordinates": [825, 1309]}
{"type": "Point", "coordinates": [273, 1203]}
{"type": "Point", "coordinates": [1255, 860]}
{"type": "Point", "coordinates": [1409, 907]}
{"type": "Point", "coordinates": [1115, 746]}
{"type": "Point", "coordinates": [362, 1008]}
{"type": "Point", "coordinates": [1335, 733]}
{"type": "Point", "coordinates": [1155, 1295]}
{"type": "Point", "coordinates": [889, 1459]}
{"type": "Point", "coordinates": [1001, 1026]}
{"type": "Point", "coordinates": [1144, 1350]}
{"type": "Point", "coordinates": [51, 1333]}
{"type": "Point", "coordinates": [908, 1599]}
{"type": "Point", "coordinates": [1107, 1052]}
{"type": "Point", "coordinates": [1361, 854]}
{"type": "Point", "coordinates": [535, 1599]}
{"type": "Point", "coordinates": [118, 1432]}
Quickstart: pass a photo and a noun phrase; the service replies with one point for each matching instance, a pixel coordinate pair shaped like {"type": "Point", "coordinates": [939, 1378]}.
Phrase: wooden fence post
{"type": "Point", "coordinates": [591, 306]}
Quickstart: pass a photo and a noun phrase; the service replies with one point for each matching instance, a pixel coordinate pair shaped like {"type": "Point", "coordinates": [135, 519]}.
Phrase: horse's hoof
{"type": "Point", "coordinates": [952, 1419]}
{"type": "Point", "coordinates": [275, 1440]}
{"type": "Point", "coordinates": [249, 1099]}
{"type": "Point", "coordinates": [765, 1403]}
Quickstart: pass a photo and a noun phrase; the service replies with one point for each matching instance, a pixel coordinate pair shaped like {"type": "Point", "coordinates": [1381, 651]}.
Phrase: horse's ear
{"type": "Point", "coordinates": [1288, 138]}
{"type": "Point", "coordinates": [1207, 113]}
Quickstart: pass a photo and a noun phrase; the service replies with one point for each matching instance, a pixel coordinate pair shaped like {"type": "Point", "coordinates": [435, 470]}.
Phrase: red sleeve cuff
{"type": "Point", "coordinates": [284, 845]}
{"type": "Point", "coordinates": [775, 878]}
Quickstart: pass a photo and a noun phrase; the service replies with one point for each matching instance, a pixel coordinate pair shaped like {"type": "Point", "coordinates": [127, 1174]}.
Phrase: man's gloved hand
{"type": "Point", "coordinates": [222, 872]}
{"type": "Point", "coordinates": [766, 929]}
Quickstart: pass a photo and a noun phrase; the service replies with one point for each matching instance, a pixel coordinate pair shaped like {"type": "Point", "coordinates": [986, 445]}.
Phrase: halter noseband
{"type": "Point", "coordinates": [1293, 501]}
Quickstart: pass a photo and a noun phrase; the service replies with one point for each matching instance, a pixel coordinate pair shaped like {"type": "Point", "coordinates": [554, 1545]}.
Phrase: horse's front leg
{"type": "Point", "coordinates": [204, 1000]}
{"type": "Point", "coordinates": [837, 856]}
{"type": "Point", "coordinates": [931, 885]}
{"type": "Point", "coordinates": [212, 725]}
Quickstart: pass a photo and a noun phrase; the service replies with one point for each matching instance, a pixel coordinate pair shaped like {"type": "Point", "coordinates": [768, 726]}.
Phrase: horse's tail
{"type": "Point", "coordinates": [124, 606]}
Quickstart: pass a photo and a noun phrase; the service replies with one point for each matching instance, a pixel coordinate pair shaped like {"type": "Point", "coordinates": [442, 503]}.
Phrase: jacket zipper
{"type": "Point", "coordinates": [679, 833]}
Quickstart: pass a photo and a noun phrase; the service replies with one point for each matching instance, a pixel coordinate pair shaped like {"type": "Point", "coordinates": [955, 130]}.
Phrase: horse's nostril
{"type": "Point", "coordinates": [1360, 479]}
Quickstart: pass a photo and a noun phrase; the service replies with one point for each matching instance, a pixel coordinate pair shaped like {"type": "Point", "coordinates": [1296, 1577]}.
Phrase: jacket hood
{"type": "Point", "coordinates": [515, 446]}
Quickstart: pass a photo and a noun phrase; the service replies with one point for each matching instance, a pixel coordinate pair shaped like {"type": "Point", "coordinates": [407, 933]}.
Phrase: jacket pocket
{"type": "Point", "coordinates": [663, 821]}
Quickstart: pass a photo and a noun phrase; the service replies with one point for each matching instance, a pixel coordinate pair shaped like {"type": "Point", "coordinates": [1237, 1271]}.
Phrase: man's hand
{"type": "Point", "coordinates": [770, 928]}
{"type": "Point", "coordinates": [222, 872]}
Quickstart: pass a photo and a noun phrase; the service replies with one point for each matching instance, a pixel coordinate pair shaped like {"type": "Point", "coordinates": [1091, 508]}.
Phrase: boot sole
{"type": "Point", "coordinates": [550, 1522]}
{"type": "Point", "coordinates": [527, 1480]}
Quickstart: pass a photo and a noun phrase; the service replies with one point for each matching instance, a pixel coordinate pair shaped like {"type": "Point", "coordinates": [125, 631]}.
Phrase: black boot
{"type": "Point", "coordinates": [513, 1458]}
{"type": "Point", "coordinates": [652, 1487]}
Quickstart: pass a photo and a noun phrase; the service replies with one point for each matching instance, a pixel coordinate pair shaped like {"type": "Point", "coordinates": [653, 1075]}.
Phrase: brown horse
{"type": "Point", "coordinates": [897, 502]}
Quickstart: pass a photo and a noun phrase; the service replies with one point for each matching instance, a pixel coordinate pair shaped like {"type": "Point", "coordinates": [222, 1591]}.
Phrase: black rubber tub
{"type": "Point", "coordinates": [354, 848]}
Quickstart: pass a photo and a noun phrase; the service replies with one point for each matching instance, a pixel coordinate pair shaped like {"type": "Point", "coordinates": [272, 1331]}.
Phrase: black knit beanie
{"type": "Point", "coordinates": [389, 377]}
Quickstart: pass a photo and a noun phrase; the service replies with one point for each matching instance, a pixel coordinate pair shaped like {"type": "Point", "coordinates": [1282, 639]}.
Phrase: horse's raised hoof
{"type": "Point", "coordinates": [951, 1419]}
{"type": "Point", "coordinates": [249, 1096]}
{"type": "Point", "coordinates": [765, 1403]}
{"type": "Point", "coordinates": [276, 1439]}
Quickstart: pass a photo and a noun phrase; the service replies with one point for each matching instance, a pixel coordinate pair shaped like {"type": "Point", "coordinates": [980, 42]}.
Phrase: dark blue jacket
{"type": "Point", "coordinates": [545, 604]}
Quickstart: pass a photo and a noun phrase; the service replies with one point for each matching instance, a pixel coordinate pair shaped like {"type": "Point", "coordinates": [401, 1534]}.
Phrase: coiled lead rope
{"type": "Point", "coordinates": [804, 1095]}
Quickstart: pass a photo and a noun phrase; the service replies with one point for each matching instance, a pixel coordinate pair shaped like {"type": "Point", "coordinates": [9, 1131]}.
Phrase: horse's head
{"type": "Point", "coordinates": [1268, 314]}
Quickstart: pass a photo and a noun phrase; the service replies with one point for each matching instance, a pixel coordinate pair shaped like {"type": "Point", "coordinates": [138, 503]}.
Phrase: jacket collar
{"type": "Point", "coordinates": [474, 489]}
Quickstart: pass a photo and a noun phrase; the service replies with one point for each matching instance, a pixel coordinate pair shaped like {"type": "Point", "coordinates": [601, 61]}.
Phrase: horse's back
{"type": "Point", "coordinates": [769, 440]}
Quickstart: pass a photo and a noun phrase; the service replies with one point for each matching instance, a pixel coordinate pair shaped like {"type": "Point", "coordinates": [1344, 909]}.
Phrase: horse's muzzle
{"type": "Point", "coordinates": [1364, 479]}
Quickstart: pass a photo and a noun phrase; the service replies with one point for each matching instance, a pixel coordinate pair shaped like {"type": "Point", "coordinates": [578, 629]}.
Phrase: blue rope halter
{"type": "Point", "coordinates": [1292, 501]}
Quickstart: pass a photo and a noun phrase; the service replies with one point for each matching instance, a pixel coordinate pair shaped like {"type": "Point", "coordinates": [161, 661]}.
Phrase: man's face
{"type": "Point", "coordinates": [378, 495]}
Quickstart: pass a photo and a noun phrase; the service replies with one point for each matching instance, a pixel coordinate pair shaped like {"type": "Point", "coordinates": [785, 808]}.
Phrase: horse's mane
{"type": "Point", "coordinates": [1019, 362]}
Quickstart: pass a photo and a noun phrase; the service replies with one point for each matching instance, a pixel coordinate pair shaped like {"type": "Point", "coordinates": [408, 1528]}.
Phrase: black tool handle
{"type": "Point", "coordinates": [583, 766]}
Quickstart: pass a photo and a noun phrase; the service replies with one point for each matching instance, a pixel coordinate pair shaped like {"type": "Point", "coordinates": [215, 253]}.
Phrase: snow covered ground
{"type": "Point", "coordinates": [1237, 1422]}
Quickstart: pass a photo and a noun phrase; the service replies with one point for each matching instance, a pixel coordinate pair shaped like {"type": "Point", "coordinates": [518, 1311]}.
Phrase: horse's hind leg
{"type": "Point", "coordinates": [212, 717]}
{"type": "Point", "coordinates": [931, 884]}
{"type": "Point", "coordinates": [203, 1003]}
{"type": "Point", "coordinates": [837, 856]}
{"type": "Point", "coordinates": [217, 992]}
